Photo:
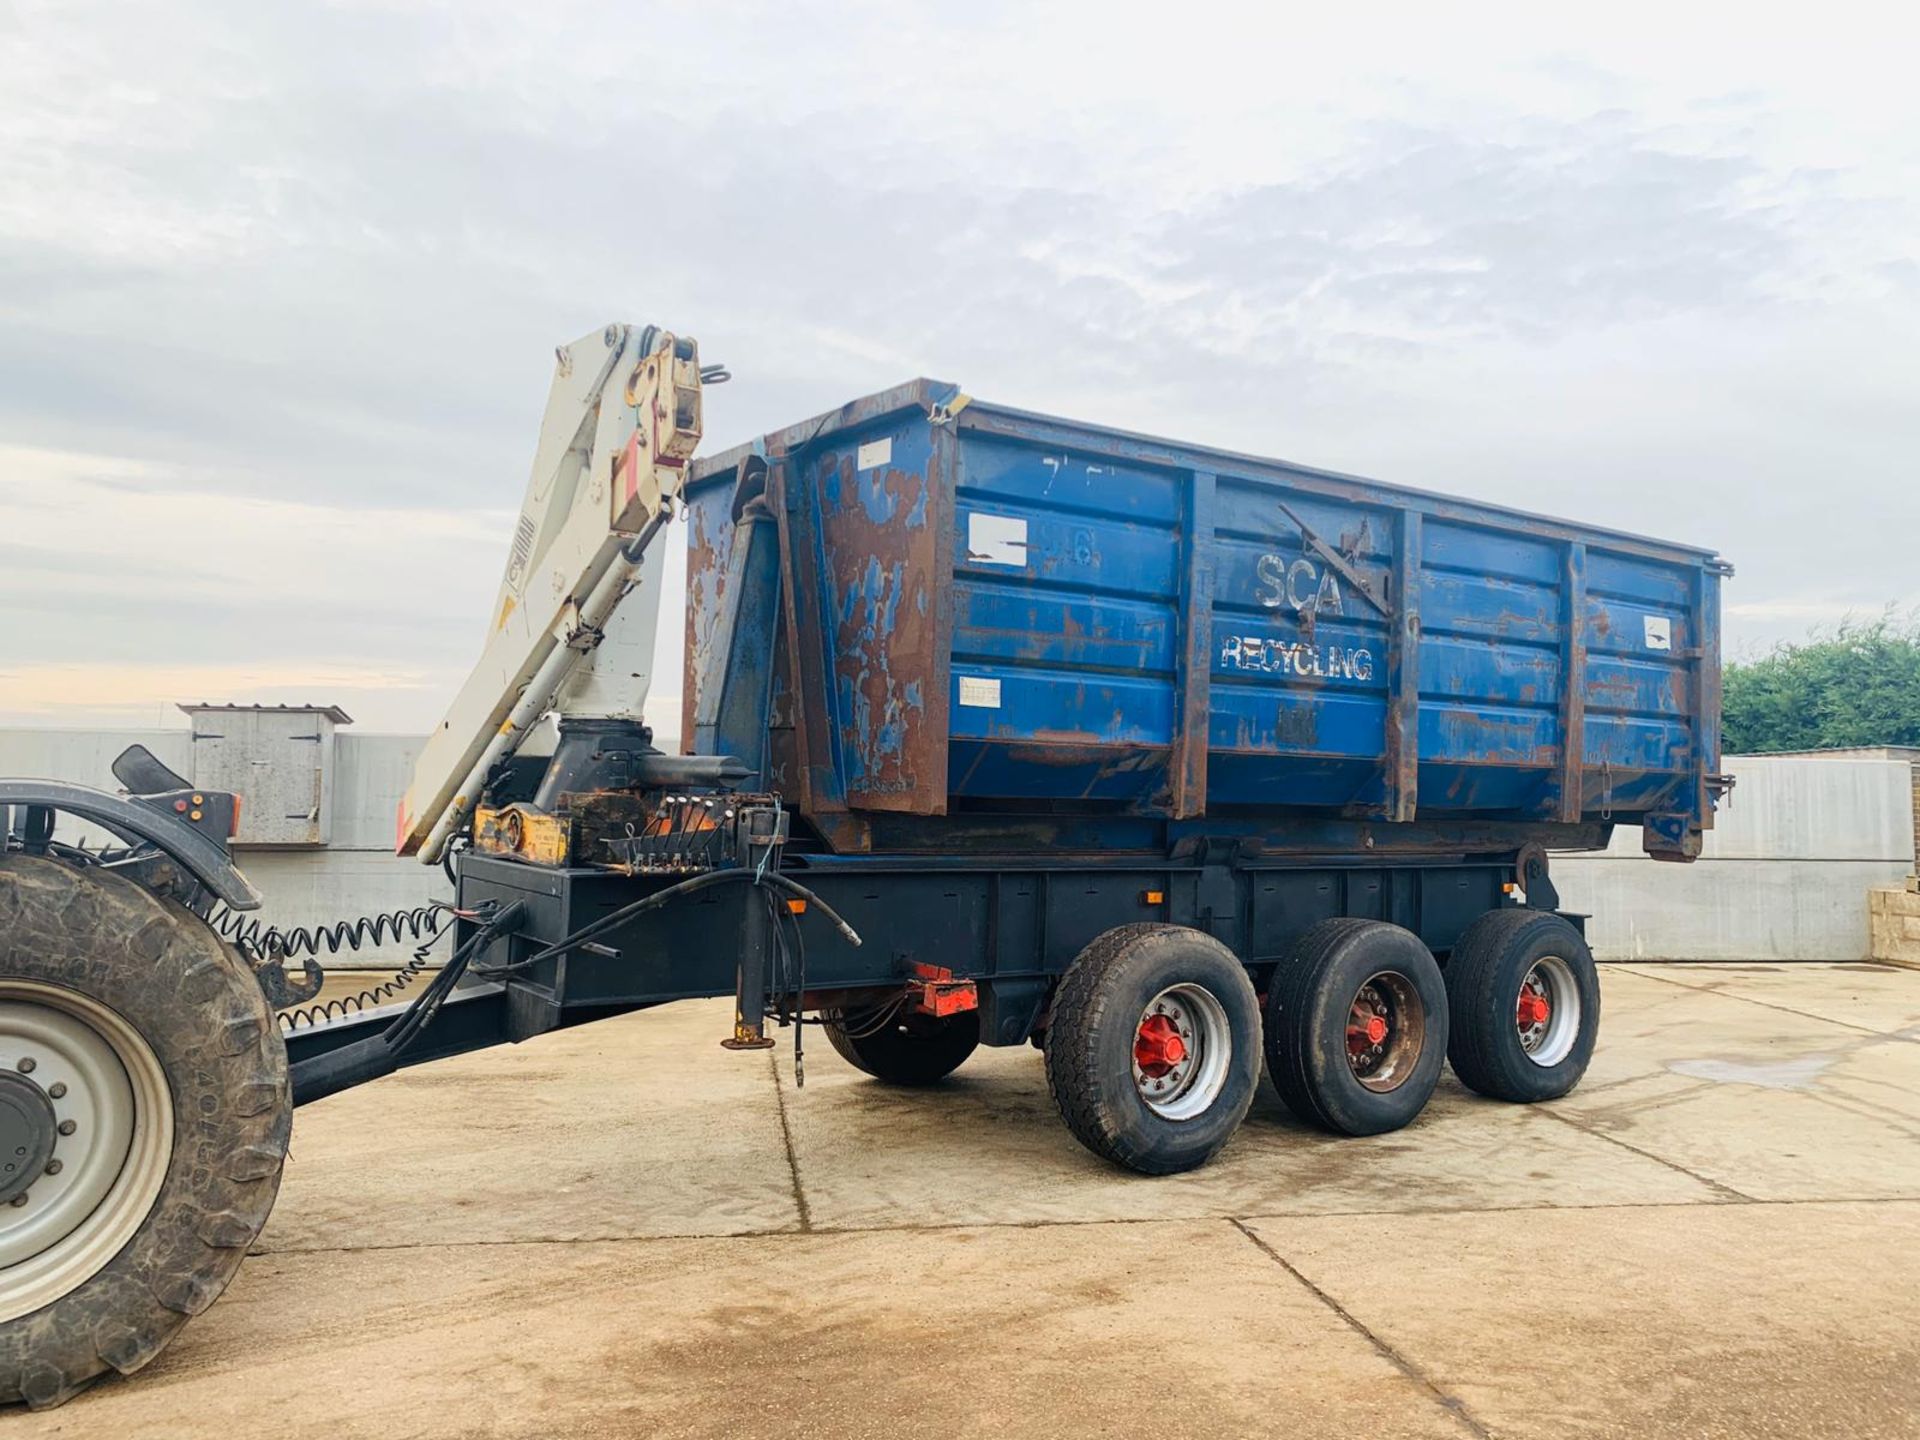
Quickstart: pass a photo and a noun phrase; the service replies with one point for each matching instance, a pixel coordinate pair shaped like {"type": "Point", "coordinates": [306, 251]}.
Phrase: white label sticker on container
{"type": "Point", "coordinates": [874, 452]}
{"type": "Point", "coordinates": [996, 540]}
{"type": "Point", "coordinates": [980, 691]}
{"type": "Point", "coordinates": [1659, 632]}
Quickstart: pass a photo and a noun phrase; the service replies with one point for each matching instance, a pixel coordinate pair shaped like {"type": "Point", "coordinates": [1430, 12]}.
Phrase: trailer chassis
{"type": "Point", "coordinates": [993, 932]}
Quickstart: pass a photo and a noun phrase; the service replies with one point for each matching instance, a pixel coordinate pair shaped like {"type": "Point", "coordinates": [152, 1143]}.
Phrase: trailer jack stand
{"type": "Point", "coordinates": [750, 990]}
{"type": "Point", "coordinates": [763, 832]}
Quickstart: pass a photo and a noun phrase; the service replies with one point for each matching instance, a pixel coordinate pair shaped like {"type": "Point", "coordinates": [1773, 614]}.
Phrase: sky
{"type": "Point", "coordinates": [280, 285]}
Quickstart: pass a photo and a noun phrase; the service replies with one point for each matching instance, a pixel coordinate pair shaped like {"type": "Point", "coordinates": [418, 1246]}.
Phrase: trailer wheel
{"type": "Point", "coordinates": [1153, 1047]}
{"type": "Point", "coordinates": [1525, 998]}
{"type": "Point", "coordinates": [915, 1050]}
{"type": "Point", "coordinates": [144, 1100]}
{"type": "Point", "coordinates": [1356, 1026]}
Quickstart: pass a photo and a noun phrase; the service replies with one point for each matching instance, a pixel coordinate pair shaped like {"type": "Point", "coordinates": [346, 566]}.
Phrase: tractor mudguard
{"type": "Point", "coordinates": [150, 818]}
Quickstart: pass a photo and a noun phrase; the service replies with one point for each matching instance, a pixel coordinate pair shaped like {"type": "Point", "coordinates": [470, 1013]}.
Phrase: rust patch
{"type": "Point", "coordinates": [709, 544]}
{"type": "Point", "coordinates": [878, 548]}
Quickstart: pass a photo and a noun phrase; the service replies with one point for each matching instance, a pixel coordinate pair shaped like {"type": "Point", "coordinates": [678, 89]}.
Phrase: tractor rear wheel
{"type": "Point", "coordinates": [144, 1114]}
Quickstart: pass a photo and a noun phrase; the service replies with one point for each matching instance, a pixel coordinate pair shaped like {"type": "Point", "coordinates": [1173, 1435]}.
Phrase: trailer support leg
{"type": "Point", "coordinates": [762, 833]}
{"type": "Point", "coordinates": [750, 990]}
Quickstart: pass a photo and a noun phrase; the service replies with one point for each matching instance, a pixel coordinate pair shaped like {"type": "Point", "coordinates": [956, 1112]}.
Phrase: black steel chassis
{"type": "Point", "coordinates": [1004, 926]}
{"type": "Point", "coordinates": [1011, 924]}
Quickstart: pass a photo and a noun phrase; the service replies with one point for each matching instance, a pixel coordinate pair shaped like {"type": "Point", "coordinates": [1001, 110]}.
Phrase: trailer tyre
{"type": "Point", "coordinates": [1525, 999]}
{"type": "Point", "coordinates": [916, 1050]}
{"type": "Point", "coordinates": [1356, 1026]}
{"type": "Point", "coordinates": [156, 1063]}
{"type": "Point", "coordinates": [1153, 1047]}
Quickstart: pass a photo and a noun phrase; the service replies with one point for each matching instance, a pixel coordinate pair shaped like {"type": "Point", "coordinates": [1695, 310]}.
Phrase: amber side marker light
{"type": "Point", "coordinates": [1153, 897]}
{"type": "Point", "coordinates": [796, 907]}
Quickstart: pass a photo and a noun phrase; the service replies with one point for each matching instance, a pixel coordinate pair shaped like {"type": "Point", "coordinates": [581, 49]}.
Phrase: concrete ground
{"type": "Point", "coordinates": [624, 1230]}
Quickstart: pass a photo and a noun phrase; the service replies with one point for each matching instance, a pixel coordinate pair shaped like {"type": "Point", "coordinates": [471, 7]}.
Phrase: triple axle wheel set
{"type": "Point", "coordinates": [1156, 1034]}
{"type": "Point", "coordinates": [145, 1108]}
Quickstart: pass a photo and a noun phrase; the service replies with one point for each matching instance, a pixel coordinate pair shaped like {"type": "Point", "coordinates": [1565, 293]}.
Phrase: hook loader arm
{"type": "Point", "coordinates": [622, 419]}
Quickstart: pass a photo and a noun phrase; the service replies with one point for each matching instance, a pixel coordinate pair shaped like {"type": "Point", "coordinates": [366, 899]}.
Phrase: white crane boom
{"type": "Point", "coordinates": [622, 419]}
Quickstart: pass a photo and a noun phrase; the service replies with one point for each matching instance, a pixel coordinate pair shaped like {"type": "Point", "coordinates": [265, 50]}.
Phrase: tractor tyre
{"type": "Point", "coordinates": [144, 1116]}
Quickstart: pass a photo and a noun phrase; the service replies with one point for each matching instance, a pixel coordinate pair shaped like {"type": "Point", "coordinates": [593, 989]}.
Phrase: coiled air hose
{"type": "Point", "coordinates": [259, 941]}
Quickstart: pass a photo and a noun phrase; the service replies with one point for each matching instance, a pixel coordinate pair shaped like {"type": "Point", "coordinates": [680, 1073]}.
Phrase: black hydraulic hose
{"type": "Point", "coordinates": [663, 897]}
{"type": "Point", "coordinates": [404, 1031]}
{"type": "Point", "coordinates": [799, 990]}
{"type": "Point", "coordinates": [607, 922]}
{"type": "Point", "coordinates": [800, 892]}
{"type": "Point", "coordinates": [378, 1055]}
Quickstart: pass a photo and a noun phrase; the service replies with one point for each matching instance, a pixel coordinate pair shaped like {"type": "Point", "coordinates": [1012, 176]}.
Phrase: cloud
{"type": "Point", "coordinates": [279, 286]}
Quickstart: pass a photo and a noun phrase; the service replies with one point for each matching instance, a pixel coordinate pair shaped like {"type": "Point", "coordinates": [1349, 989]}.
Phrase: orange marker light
{"type": "Point", "coordinates": [796, 907]}
{"type": "Point", "coordinates": [1153, 897]}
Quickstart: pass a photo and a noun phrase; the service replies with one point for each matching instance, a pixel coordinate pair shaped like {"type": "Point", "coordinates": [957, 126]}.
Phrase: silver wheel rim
{"type": "Point", "coordinates": [1548, 1040]}
{"type": "Point", "coordinates": [1182, 1048]}
{"type": "Point", "coordinates": [107, 1089]}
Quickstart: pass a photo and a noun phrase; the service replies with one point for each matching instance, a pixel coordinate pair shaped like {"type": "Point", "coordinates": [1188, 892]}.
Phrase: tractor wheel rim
{"type": "Point", "coordinates": [108, 1099]}
{"type": "Point", "coordinates": [1182, 1048]}
{"type": "Point", "coordinates": [1547, 1011]}
{"type": "Point", "coordinates": [1386, 1031]}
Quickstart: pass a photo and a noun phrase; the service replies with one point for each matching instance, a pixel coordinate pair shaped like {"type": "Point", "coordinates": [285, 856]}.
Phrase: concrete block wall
{"type": "Point", "coordinates": [1909, 754]}
{"type": "Point", "coordinates": [357, 874]}
{"type": "Point", "coordinates": [1785, 875]}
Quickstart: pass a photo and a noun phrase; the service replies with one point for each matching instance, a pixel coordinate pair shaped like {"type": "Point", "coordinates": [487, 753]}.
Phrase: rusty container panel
{"type": "Point", "coordinates": [872, 491]}
{"type": "Point", "coordinates": [709, 516]}
{"type": "Point", "coordinates": [989, 609]}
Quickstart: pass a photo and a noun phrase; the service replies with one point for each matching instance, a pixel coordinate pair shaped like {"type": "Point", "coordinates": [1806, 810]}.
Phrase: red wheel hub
{"type": "Point", "coordinates": [1365, 1029]}
{"type": "Point", "coordinates": [1533, 1009]}
{"type": "Point", "coordinates": [1157, 1048]}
